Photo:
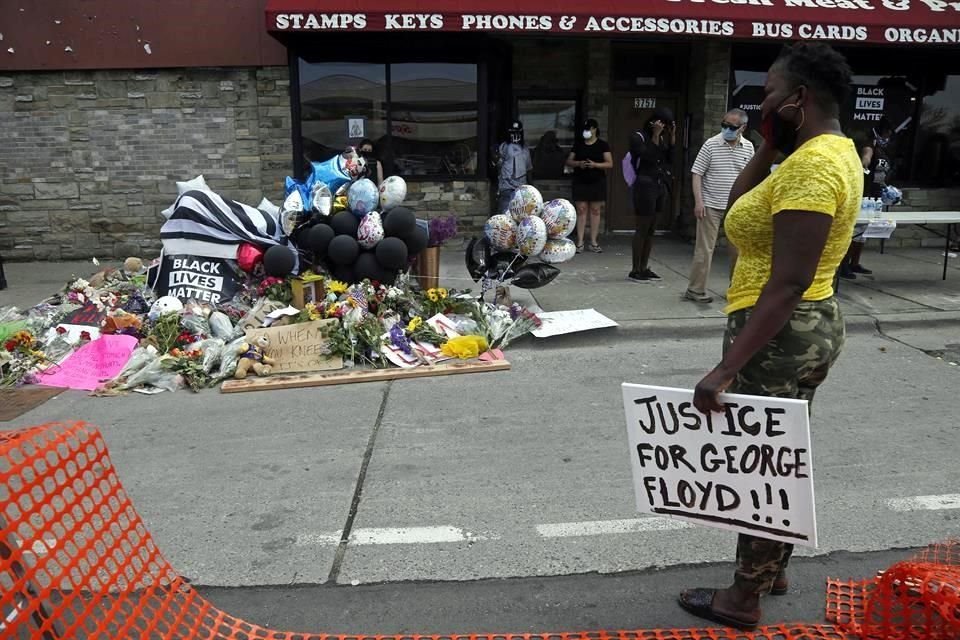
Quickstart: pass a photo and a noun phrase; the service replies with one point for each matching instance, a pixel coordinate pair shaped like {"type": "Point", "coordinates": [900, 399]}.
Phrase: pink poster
{"type": "Point", "coordinates": [92, 363]}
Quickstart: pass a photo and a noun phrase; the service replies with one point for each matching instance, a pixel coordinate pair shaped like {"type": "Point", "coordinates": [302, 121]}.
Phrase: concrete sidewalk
{"type": "Point", "coordinates": [906, 285]}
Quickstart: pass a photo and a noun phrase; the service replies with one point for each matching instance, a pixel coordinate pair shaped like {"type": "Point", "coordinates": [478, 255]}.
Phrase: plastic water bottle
{"type": "Point", "coordinates": [877, 209]}
{"type": "Point", "coordinates": [866, 209]}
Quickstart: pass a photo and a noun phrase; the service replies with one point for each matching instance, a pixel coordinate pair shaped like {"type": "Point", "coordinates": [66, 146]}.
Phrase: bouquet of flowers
{"type": "Point", "coordinates": [442, 229]}
{"type": "Point", "coordinates": [18, 358]}
{"type": "Point", "coordinates": [275, 289]}
{"type": "Point", "coordinates": [502, 325]}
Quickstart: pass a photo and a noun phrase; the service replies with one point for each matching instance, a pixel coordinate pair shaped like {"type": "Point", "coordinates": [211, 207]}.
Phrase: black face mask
{"type": "Point", "coordinates": [779, 133]}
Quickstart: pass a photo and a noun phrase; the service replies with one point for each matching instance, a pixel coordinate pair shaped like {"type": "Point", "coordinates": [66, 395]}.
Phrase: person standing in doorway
{"type": "Point", "coordinates": [515, 164]}
{"type": "Point", "coordinates": [369, 153]}
{"type": "Point", "coordinates": [590, 160]}
{"type": "Point", "coordinates": [719, 162]}
{"type": "Point", "coordinates": [650, 151]}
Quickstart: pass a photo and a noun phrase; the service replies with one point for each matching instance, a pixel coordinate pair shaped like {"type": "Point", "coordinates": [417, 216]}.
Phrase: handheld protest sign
{"type": "Point", "coordinates": [748, 469]}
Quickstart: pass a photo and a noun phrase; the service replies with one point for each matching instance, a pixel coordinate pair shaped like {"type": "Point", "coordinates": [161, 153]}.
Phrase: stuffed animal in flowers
{"type": "Point", "coordinates": [254, 356]}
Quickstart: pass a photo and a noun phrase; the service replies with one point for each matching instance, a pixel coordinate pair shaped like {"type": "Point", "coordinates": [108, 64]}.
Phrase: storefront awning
{"type": "Point", "coordinates": [909, 22]}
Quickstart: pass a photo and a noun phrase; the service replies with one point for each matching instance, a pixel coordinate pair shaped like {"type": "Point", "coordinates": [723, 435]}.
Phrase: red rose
{"type": "Point", "coordinates": [10, 345]}
{"type": "Point", "coordinates": [61, 330]}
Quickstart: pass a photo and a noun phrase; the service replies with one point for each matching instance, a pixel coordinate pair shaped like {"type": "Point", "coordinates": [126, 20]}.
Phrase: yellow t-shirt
{"type": "Point", "coordinates": [825, 176]}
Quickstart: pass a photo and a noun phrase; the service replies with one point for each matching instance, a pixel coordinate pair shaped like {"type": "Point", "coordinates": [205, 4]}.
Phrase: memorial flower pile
{"type": "Point", "coordinates": [197, 345]}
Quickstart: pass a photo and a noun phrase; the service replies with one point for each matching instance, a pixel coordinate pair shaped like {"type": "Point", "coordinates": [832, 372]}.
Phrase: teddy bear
{"type": "Point", "coordinates": [254, 356]}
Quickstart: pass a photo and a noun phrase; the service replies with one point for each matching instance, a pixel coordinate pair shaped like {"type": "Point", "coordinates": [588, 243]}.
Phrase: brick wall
{"type": "Point", "coordinates": [468, 200]}
{"type": "Point", "coordinates": [91, 158]}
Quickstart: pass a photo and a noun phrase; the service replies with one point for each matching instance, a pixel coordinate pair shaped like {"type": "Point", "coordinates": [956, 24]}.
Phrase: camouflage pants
{"type": "Point", "coordinates": [792, 365]}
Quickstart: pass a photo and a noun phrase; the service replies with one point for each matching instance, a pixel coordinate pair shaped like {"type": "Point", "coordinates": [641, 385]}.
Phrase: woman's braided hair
{"type": "Point", "coordinates": [820, 67]}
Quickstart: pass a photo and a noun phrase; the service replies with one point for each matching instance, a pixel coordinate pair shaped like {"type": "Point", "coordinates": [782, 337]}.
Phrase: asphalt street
{"type": "Point", "coordinates": [503, 501]}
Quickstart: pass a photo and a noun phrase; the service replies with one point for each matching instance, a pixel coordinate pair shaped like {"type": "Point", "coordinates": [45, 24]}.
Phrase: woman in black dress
{"type": "Point", "coordinates": [590, 159]}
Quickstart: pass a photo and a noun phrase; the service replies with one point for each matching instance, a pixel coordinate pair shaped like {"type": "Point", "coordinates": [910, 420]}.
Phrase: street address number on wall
{"type": "Point", "coordinates": [644, 103]}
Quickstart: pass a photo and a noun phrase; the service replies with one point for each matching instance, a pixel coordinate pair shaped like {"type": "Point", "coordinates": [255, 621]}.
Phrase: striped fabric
{"type": "Point", "coordinates": [204, 224]}
{"type": "Point", "coordinates": [720, 164]}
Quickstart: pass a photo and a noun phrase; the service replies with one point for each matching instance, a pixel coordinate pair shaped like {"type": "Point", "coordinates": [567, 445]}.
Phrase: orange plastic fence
{"type": "Point", "coordinates": [76, 562]}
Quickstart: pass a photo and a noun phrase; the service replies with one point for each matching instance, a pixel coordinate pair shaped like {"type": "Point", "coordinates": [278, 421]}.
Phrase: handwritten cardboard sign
{"type": "Point", "coordinates": [98, 360]}
{"type": "Point", "coordinates": [557, 323]}
{"type": "Point", "coordinates": [304, 346]}
{"type": "Point", "coordinates": [748, 469]}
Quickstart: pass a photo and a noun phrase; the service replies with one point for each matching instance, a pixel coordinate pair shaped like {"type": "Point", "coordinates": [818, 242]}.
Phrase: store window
{"type": "Point", "coordinates": [937, 148]}
{"type": "Point", "coordinates": [433, 119]}
{"type": "Point", "coordinates": [918, 93]}
{"type": "Point", "coordinates": [422, 117]}
{"type": "Point", "coordinates": [549, 127]}
{"type": "Point", "coordinates": [337, 97]}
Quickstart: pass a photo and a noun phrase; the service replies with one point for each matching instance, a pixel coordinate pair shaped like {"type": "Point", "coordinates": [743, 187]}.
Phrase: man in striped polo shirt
{"type": "Point", "coordinates": [719, 162]}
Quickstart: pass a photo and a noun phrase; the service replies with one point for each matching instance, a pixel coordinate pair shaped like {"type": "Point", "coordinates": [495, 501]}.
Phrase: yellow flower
{"type": "Point", "coordinates": [432, 295]}
{"type": "Point", "coordinates": [312, 312]}
{"type": "Point", "coordinates": [331, 310]}
{"type": "Point", "coordinates": [442, 293]}
{"type": "Point", "coordinates": [23, 337]}
{"type": "Point", "coordinates": [464, 347]}
{"type": "Point", "coordinates": [414, 324]}
{"type": "Point", "coordinates": [335, 286]}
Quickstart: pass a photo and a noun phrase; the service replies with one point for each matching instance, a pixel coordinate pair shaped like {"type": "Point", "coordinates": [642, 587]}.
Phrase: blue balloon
{"type": "Point", "coordinates": [304, 187]}
{"type": "Point", "coordinates": [331, 173]}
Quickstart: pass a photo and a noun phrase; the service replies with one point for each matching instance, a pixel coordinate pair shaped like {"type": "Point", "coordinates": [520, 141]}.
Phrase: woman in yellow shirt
{"type": "Point", "coordinates": [791, 229]}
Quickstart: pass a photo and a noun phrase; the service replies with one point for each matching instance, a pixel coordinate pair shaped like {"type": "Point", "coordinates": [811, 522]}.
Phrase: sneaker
{"type": "Point", "coordinates": [650, 275]}
{"type": "Point", "coordinates": [846, 272]}
{"type": "Point", "coordinates": [857, 268]}
{"type": "Point", "coordinates": [697, 297]}
{"type": "Point", "coordinates": [596, 248]}
{"type": "Point", "coordinates": [636, 276]}
{"type": "Point", "coordinates": [579, 248]}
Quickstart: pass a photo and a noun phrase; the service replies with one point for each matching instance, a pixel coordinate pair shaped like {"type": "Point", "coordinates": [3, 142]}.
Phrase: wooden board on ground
{"type": "Point", "coordinates": [16, 402]}
{"type": "Point", "coordinates": [295, 381]}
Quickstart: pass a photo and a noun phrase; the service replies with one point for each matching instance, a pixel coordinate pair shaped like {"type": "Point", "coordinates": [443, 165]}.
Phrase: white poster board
{"type": "Point", "coordinates": [748, 469]}
{"type": "Point", "coordinates": [555, 323]}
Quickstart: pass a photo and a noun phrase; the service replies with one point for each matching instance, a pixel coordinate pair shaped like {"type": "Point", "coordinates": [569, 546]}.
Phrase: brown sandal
{"type": "Point", "coordinates": [699, 602]}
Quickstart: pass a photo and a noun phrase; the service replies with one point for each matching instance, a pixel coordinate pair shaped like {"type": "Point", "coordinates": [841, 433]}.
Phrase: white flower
{"type": "Point", "coordinates": [80, 284]}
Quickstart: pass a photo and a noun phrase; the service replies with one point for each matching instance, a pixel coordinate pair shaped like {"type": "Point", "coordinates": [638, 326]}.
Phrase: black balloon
{"type": "Point", "coordinates": [318, 238]}
{"type": "Point", "coordinates": [278, 261]}
{"type": "Point", "coordinates": [343, 250]}
{"type": "Point", "coordinates": [400, 222]}
{"type": "Point", "coordinates": [345, 224]}
{"type": "Point", "coordinates": [345, 273]}
{"type": "Point", "coordinates": [476, 256]}
{"type": "Point", "coordinates": [392, 253]}
{"type": "Point", "coordinates": [386, 276]}
{"type": "Point", "coordinates": [367, 266]}
{"type": "Point", "coordinates": [481, 260]}
{"type": "Point", "coordinates": [536, 275]}
{"type": "Point", "coordinates": [416, 240]}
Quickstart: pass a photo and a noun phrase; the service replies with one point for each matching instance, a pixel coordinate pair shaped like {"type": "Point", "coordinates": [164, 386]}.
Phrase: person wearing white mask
{"type": "Point", "coordinates": [719, 162]}
{"type": "Point", "coordinates": [590, 159]}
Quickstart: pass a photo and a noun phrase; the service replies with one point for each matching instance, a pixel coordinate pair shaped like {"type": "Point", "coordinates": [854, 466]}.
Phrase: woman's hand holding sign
{"type": "Point", "coordinates": [706, 395]}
